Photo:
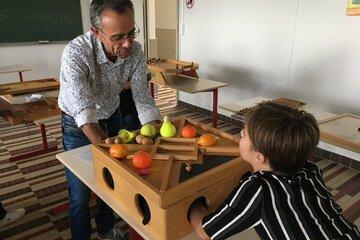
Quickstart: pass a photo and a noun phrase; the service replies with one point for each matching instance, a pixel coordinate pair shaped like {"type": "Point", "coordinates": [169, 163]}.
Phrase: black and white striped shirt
{"type": "Point", "coordinates": [281, 207]}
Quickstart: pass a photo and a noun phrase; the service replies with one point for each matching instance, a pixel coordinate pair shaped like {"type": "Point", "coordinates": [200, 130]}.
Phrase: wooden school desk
{"type": "Point", "coordinates": [192, 86]}
{"type": "Point", "coordinates": [39, 122]}
{"type": "Point", "coordinates": [14, 68]}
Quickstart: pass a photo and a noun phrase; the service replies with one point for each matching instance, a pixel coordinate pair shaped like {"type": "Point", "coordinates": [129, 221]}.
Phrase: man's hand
{"type": "Point", "coordinates": [93, 132]}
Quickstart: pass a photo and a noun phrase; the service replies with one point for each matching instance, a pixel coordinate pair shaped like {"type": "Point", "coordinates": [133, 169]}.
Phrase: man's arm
{"type": "Point", "coordinates": [76, 98]}
{"type": "Point", "coordinates": [145, 105]}
{"type": "Point", "coordinates": [93, 132]}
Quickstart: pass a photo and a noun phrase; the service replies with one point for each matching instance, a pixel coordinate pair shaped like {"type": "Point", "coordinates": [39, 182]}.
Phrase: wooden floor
{"type": "Point", "coordinates": [38, 183]}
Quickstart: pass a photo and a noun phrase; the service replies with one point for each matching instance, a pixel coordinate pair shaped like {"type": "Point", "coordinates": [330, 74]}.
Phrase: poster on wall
{"type": "Point", "coordinates": [353, 8]}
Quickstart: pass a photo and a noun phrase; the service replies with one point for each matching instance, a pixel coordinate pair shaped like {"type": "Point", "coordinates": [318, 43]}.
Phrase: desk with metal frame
{"type": "Point", "coordinates": [192, 86]}
{"type": "Point", "coordinates": [40, 122]}
{"type": "Point", "coordinates": [15, 68]}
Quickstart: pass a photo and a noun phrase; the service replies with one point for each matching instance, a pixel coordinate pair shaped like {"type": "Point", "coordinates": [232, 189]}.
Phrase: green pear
{"type": "Point", "coordinates": [126, 136]}
{"type": "Point", "coordinates": [148, 130]}
{"type": "Point", "coordinates": [167, 129]}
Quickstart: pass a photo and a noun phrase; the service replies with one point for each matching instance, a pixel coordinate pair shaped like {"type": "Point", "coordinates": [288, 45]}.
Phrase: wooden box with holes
{"type": "Point", "coordinates": [181, 172]}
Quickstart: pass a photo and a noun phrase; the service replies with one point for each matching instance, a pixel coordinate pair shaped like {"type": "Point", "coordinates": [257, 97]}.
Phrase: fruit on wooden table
{"type": "Point", "coordinates": [147, 141]}
{"type": "Point", "coordinates": [118, 150]}
{"type": "Point", "coordinates": [207, 140]}
{"type": "Point", "coordinates": [108, 141]}
{"type": "Point", "coordinates": [142, 160]}
{"type": "Point", "coordinates": [188, 131]}
{"type": "Point", "coordinates": [139, 138]}
{"type": "Point", "coordinates": [126, 136]}
{"type": "Point", "coordinates": [148, 130]}
{"type": "Point", "coordinates": [167, 128]}
{"type": "Point", "coordinates": [117, 139]}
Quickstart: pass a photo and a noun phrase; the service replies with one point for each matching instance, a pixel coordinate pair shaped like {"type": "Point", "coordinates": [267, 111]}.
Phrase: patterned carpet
{"type": "Point", "coordinates": [38, 183]}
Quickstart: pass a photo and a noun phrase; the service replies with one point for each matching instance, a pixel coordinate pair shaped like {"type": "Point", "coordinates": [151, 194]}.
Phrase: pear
{"type": "Point", "coordinates": [148, 130]}
{"type": "Point", "coordinates": [126, 136]}
{"type": "Point", "coordinates": [167, 129]}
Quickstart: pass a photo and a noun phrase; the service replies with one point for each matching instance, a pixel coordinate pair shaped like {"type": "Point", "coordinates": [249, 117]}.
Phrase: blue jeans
{"type": "Point", "coordinates": [79, 193]}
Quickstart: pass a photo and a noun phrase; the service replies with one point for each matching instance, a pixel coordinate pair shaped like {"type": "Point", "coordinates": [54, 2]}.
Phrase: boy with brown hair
{"type": "Point", "coordinates": [285, 197]}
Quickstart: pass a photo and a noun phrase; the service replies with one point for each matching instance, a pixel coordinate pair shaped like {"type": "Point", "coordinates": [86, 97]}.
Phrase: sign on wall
{"type": "Point", "coordinates": [353, 8]}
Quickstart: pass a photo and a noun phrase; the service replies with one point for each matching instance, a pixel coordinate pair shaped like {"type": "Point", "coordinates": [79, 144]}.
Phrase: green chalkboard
{"type": "Point", "coordinates": [34, 20]}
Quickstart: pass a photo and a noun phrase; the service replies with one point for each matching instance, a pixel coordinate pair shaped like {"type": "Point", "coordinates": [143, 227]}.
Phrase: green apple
{"type": "Point", "coordinates": [148, 130]}
{"type": "Point", "coordinates": [126, 136]}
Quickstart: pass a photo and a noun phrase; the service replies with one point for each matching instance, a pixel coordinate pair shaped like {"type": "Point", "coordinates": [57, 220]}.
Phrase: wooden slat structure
{"type": "Point", "coordinates": [159, 202]}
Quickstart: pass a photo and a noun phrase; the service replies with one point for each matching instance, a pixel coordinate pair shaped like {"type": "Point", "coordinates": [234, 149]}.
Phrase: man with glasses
{"type": "Point", "coordinates": [95, 67]}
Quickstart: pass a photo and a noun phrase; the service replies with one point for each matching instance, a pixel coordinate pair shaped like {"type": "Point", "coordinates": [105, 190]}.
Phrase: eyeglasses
{"type": "Point", "coordinates": [120, 38]}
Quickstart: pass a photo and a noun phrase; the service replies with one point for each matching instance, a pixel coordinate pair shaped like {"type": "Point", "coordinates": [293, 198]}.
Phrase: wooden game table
{"type": "Point", "coordinates": [40, 120]}
{"type": "Point", "coordinates": [79, 161]}
{"type": "Point", "coordinates": [192, 86]}
{"type": "Point", "coordinates": [156, 204]}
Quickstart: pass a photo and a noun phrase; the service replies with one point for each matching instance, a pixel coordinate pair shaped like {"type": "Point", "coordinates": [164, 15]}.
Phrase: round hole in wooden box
{"type": "Point", "coordinates": [199, 201]}
{"type": "Point", "coordinates": [109, 181]}
{"type": "Point", "coordinates": [143, 208]}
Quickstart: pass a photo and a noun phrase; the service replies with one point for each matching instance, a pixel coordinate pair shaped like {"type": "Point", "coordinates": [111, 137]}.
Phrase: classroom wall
{"type": "Point", "coordinates": [301, 49]}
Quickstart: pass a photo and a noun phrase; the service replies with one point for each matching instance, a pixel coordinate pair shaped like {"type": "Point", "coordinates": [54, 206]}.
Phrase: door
{"type": "Point", "coordinates": [139, 19]}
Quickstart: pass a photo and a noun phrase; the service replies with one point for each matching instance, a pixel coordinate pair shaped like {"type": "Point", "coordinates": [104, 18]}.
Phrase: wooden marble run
{"type": "Point", "coordinates": [162, 70]}
{"type": "Point", "coordinates": [159, 202]}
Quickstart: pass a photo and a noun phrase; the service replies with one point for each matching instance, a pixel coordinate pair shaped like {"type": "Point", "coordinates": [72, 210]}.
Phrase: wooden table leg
{"type": "Point", "coordinates": [21, 77]}
{"type": "Point", "coordinates": [152, 90]}
{"type": "Point", "coordinates": [215, 107]}
{"type": "Point", "coordinates": [45, 149]}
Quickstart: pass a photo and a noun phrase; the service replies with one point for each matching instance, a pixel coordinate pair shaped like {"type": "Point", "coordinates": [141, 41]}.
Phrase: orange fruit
{"type": "Point", "coordinates": [188, 131]}
{"type": "Point", "coordinates": [207, 140]}
{"type": "Point", "coordinates": [142, 160]}
{"type": "Point", "coordinates": [118, 150]}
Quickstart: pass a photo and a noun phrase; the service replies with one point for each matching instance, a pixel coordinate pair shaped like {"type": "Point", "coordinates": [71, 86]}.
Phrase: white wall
{"type": "Point", "coordinates": [301, 49]}
{"type": "Point", "coordinates": [165, 17]}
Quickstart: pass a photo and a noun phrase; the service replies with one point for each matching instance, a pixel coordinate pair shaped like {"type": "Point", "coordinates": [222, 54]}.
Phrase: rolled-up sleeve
{"type": "Point", "coordinates": [145, 104]}
{"type": "Point", "coordinates": [75, 96]}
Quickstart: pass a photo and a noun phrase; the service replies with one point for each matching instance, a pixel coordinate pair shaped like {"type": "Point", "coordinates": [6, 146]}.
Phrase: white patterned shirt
{"type": "Point", "coordinates": [90, 83]}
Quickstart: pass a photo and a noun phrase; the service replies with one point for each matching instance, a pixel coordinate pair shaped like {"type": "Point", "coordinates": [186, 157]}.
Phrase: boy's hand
{"type": "Point", "coordinates": [196, 213]}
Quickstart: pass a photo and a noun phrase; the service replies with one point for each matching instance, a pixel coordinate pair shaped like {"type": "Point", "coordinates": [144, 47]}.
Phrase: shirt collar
{"type": "Point", "coordinates": [99, 51]}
